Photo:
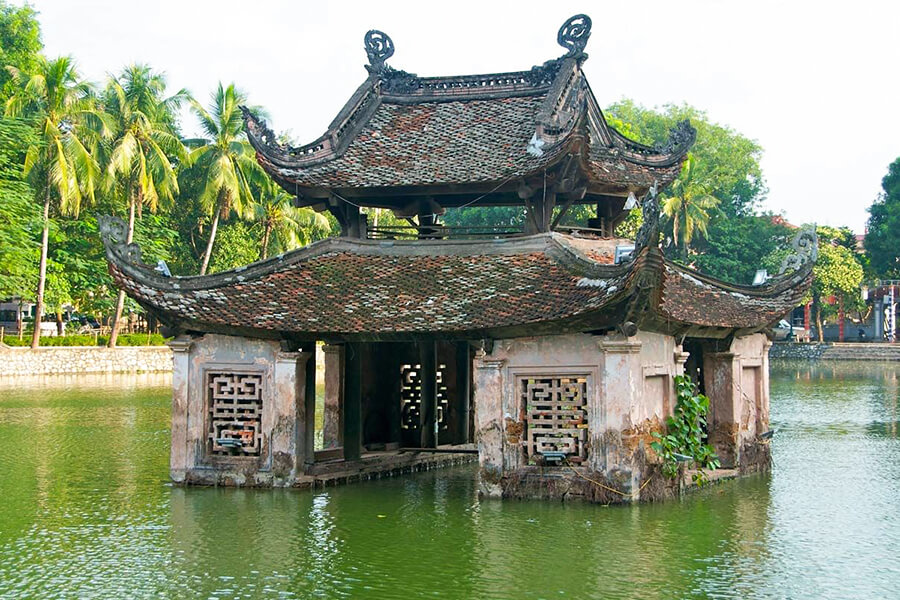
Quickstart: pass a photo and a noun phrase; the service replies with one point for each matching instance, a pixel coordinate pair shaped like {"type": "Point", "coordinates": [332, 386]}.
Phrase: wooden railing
{"type": "Point", "coordinates": [439, 232]}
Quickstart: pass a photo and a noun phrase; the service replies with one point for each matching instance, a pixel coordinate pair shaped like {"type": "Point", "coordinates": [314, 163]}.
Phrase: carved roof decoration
{"type": "Point", "coordinates": [348, 289]}
{"type": "Point", "coordinates": [399, 130]}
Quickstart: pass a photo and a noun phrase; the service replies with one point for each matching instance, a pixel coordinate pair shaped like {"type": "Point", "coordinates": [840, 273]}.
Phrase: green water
{"type": "Point", "coordinates": [86, 512]}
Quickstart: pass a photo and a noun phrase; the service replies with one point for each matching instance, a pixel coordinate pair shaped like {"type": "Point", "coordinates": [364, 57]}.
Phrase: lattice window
{"type": "Point", "coordinates": [235, 413]}
{"type": "Point", "coordinates": [555, 414]}
{"type": "Point", "coordinates": [411, 396]}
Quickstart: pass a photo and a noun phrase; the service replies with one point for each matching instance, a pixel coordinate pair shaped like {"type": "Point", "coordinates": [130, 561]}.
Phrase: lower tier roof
{"type": "Point", "coordinates": [342, 289]}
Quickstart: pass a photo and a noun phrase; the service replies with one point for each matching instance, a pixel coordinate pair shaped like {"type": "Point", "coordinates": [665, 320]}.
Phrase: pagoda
{"type": "Point", "coordinates": [550, 351]}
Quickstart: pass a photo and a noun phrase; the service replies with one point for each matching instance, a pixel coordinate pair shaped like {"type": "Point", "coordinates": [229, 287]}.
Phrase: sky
{"type": "Point", "coordinates": [815, 83]}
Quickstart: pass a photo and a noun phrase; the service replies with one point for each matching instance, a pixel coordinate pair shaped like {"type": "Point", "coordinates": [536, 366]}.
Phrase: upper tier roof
{"type": "Point", "coordinates": [403, 131]}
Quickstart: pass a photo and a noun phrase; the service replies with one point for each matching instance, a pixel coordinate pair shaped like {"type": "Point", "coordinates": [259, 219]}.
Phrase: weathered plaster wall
{"type": "Point", "coordinates": [630, 392]}
{"type": "Point", "coordinates": [281, 423]}
{"type": "Point", "coordinates": [737, 383]}
{"type": "Point", "coordinates": [87, 359]}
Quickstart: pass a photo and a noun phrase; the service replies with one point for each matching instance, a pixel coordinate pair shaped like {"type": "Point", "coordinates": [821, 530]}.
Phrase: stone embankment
{"type": "Point", "coordinates": [84, 359]}
{"type": "Point", "coordinates": [835, 351]}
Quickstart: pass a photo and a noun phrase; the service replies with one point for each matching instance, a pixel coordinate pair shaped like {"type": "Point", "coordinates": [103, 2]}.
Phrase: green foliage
{"type": "Point", "coordinates": [736, 248]}
{"type": "Point", "coordinates": [20, 218]}
{"type": "Point", "coordinates": [685, 434]}
{"type": "Point", "coordinates": [883, 228]}
{"type": "Point", "coordinates": [224, 162]}
{"type": "Point", "coordinates": [475, 216]}
{"type": "Point", "coordinates": [629, 227]}
{"type": "Point", "coordinates": [689, 205]}
{"type": "Point", "coordinates": [20, 42]}
{"type": "Point", "coordinates": [125, 339]}
{"type": "Point", "coordinates": [236, 245]}
{"type": "Point", "coordinates": [727, 163]}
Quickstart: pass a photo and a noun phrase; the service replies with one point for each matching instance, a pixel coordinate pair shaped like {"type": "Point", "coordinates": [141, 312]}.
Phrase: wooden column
{"type": "Point", "coordinates": [309, 408]}
{"type": "Point", "coordinates": [353, 401]}
{"type": "Point", "coordinates": [463, 391]}
{"type": "Point", "coordinates": [428, 408]}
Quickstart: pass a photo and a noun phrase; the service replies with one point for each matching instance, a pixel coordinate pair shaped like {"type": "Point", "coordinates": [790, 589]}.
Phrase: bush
{"type": "Point", "coordinates": [125, 339]}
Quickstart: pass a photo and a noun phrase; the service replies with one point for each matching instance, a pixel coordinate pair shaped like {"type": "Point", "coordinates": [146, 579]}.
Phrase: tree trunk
{"type": "Point", "coordinates": [819, 322]}
{"type": "Point", "coordinates": [209, 244]}
{"type": "Point", "coordinates": [120, 301]}
{"type": "Point", "coordinates": [42, 272]}
{"type": "Point", "coordinates": [265, 240]}
{"type": "Point", "coordinates": [59, 323]}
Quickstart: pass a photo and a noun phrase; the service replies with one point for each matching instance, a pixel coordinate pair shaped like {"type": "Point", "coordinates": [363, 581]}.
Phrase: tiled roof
{"type": "Point", "coordinates": [336, 287]}
{"type": "Point", "coordinates": [468, 129]}
{"type": "Point", "coordinates": [547, 283]}
{"type": "Point", "coordinates": [690, 298]}
{"type": "Point", "coordinates": [433, 143]}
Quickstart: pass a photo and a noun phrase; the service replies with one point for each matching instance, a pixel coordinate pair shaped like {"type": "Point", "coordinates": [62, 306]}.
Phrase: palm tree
{"type": "Point", "coordinates": [225, 161]}
{"type": "Point", "coordinates": [60, 169]}
{"type": "Point", "coordinates": [287, 226]}
{"type": "Point", "coordinates": [144, 140]}
{"type": "Point", "coordinates": [689, 206]}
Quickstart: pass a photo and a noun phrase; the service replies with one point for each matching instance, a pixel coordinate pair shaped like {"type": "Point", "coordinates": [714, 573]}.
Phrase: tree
{"type": "Point", "coordinates": [883, 228]}
{"type": "Point", "coordinates": [20, 219]}
{"type": "Point", "coordinates": [60, 168]}
{"type": "Point", "coordinates": [20, 43]}
{"type": "Point", "coordinates": [144, 139]}
{"type": "Point", "coordinates": [689, 206]}
{"type": "Point", "coordinates": [837, 275]}
{"type": "Point", "coordinates": [224, 162]}
{"type": "Point", "coordinates": [739, 246]}
{"type": "Point", "coordinates": [726, 162]}
{"type": "Point", "coordinates": [284, 226]}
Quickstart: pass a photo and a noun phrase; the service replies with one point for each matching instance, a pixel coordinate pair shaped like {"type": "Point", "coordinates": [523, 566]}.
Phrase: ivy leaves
{"type": "Point", "coordinates": [684, 438]}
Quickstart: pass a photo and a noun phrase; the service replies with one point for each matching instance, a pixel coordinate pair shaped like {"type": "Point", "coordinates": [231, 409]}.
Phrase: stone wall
{"type": "Point", "coordinates": [84, 359]}
{"type": "Point", "coordinates": [629, 391]}
{"type": "Point", "coordinates": [835, 351]}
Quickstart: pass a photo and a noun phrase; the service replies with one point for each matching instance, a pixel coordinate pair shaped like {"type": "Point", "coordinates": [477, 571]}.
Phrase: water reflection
{"type": "Point", "coordinates": [87, 512]}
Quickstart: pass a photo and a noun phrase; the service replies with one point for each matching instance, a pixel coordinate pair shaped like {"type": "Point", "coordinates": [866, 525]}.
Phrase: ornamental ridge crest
{"type": "Point", "coordinates": [379, 47]}
{"type": "Point", "coordinates": [574, 34]}
{"type": "Point", "coordinates": [113, 233]}
{"type": "Point", "coordinates": [805, 250]}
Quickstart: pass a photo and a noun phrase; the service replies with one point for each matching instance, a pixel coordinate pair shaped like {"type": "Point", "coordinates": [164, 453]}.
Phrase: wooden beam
{"type": "Point", "coordinates": [353, 401]}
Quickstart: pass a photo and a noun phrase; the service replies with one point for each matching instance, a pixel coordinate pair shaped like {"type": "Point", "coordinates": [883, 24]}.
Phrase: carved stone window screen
{"type": "Point", "coordinates": [411, 396]}
{"type": "Point", "coordinates": [555, 409]}
{"type": "Point", "coordinates": [234, 413]}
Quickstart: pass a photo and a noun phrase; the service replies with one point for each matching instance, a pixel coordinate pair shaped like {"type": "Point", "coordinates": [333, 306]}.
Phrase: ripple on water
{"type": "Point", "coordinates": [86, 513]}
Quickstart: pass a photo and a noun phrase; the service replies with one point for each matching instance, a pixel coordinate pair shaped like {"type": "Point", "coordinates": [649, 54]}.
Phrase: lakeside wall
{"type": "Point", "coordinates": [84, 359]}
{"type": "Point", "coordinates": [835, 351]}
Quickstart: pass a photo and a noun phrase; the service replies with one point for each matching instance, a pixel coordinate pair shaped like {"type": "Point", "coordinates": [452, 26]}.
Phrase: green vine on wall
{"type": "Point", "coordinates": [684, 438]}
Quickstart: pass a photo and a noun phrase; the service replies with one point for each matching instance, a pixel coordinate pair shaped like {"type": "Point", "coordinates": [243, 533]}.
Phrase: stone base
{"type": "Point", "coordinates": [579, 484]}
{"type": "Point", "coordinates": [373, 465]}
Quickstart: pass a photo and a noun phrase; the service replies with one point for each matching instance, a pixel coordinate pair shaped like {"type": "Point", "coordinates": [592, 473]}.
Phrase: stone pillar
{"type": "Point", "coordinates": [489, 422]}
{"type": "Point", "coordinates": [681, 357]}
{"type": "Point", "coordinates": [722, 376]}
{"type": "Point", "coordinates": [621, 385]}
{"type": "Point", "coordinates": [178, 459]}
{"type": "Point", "coordinates": [332, 428]}
{"type": "Point", "coordinates": [285, 423]}
{"type": "Point", "coordinates": [762, 417]}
